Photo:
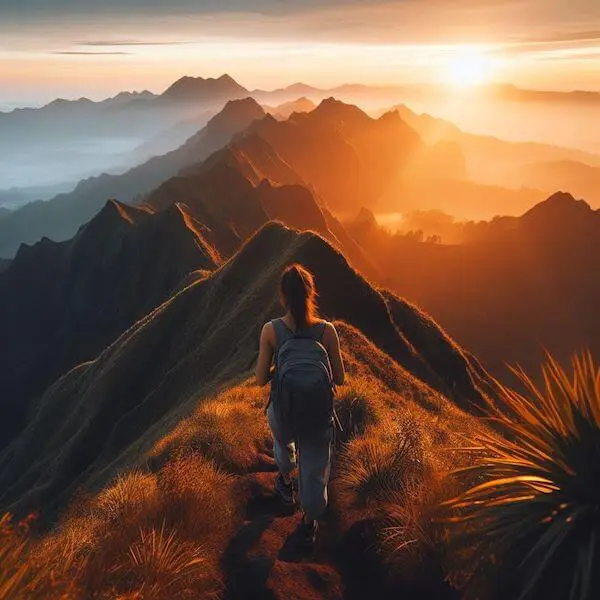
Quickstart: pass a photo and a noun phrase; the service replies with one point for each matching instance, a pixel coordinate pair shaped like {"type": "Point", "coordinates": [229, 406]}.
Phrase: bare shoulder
{"type": "Point", "coordinates": [268, 332]}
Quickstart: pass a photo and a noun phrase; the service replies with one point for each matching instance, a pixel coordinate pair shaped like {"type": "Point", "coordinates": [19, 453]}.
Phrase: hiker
{"type": "Point", "coordinates": [307, 366]}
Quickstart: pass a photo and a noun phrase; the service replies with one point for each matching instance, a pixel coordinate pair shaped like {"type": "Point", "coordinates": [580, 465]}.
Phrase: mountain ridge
{"type": "Point", "coordinates": [147, 373]}
{"type": "Point", "coordinates": [64, 301]}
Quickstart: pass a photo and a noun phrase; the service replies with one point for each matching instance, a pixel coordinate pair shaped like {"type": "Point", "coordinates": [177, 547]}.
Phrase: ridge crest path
{"type": "Point", "coordinates": [263, 560]}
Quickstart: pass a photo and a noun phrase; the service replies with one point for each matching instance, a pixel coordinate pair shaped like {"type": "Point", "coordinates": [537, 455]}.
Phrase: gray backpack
{"type": "Point", "coordinates": [302, 389]}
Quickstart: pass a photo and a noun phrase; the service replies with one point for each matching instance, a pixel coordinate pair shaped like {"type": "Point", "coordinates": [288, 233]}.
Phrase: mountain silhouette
{"type": "Point", "coordinates": [189, 89]}
{"type": "Point", "coordinates": [351, 160]}
{"type": "Point", "coordinates": [205, 335]}
{"type": "Point", "coordinates": [287, 109]}
{"type": "Point", "coordinates": [64, 302]}
{"type": "Point", "coordinates": [561, 211]}
{"type": "Point", "coordinates": [72, 140]}
{"type": "Point", "coordinates": [60, 217]}
{"type": "Point", "coordinates": [345, 156]}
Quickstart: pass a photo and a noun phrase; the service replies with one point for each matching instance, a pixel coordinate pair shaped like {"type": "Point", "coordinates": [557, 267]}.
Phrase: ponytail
{"type": "Point", "coordinates": [299, 295]}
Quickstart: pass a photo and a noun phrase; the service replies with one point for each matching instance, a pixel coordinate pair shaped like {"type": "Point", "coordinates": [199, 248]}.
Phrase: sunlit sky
{"type": "Point", "coordinates": [71, 48]}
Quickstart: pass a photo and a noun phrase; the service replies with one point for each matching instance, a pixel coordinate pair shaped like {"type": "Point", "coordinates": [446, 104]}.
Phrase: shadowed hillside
{"type": "Point", "coordinates": [519, 284]}
{"type": "Point", "coordinates": [244, 185]}
{"type": "Point", "coordinates": [60, 217]}
{"type": "Point", "coordinates": [347, 157]}
{"type": "Point", "coordinates": [202, 338]}
{"type": "Point", "coordinates": [62, 303]}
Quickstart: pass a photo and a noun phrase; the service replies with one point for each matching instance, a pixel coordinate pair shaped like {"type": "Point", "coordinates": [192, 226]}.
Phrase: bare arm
{"type": "Point", "coordinates": [265, 354]}
{"type": "Point", "coordinates": [331, 341]}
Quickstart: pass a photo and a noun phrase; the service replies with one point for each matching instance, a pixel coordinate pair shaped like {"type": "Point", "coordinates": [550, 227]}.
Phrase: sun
{"type": "Point", "coordinates": [467, 70]}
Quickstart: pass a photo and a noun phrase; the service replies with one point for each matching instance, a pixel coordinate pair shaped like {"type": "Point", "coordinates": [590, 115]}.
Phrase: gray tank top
{"type": "Point", "coordinates": [283, 332]}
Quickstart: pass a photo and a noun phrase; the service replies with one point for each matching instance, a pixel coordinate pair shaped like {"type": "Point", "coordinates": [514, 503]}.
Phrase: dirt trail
{"type": "Point", "coordinates": [263, 560]}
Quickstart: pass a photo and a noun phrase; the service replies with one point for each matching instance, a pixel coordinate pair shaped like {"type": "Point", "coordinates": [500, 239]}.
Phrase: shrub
{"type": "Point", "coordinates": [532, 519]}
{"type": "Point", "coordinates": [381, 466]}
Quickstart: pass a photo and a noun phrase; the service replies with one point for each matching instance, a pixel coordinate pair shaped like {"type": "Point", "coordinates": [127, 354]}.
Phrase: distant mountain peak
{"type": "Point", "coordinates": [559, 211]}
{"type": "Point", "coordinates": [114, 217]}
{"type": "Point", "coordinates": [366, 216]}
{"type": "Point", "coordinates": [299, 87]}
{"type": "Point", "coordinates": [332, 108]}
{"type": "Point", "coordinates": [560, 202]}
{"type": "Point", "coordinates": [245, 110]}
{"type": "Point", "coordinates": [189, 88]}
{"type": "Point", "coordinates": [242, 104]}
{"type": "Point", "coordinates": [331, 102]}
{"type": "Point", "coordinates": [125, 96]}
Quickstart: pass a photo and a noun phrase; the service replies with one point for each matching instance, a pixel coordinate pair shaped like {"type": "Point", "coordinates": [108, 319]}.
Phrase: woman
{"type": "Point", "coordinates": [298, 297]}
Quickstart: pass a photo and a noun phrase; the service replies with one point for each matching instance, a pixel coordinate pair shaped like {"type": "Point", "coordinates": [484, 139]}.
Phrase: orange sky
{"type": "Point", "coordinates": [74, 48]}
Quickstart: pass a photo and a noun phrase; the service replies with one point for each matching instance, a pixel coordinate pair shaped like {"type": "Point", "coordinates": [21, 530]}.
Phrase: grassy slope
{"type": "Point", "coordinates": [204, 482]}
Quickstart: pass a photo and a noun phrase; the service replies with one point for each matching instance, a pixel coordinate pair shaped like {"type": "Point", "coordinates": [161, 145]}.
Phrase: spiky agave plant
{"type": "Point", "coordinates": [532, 512]}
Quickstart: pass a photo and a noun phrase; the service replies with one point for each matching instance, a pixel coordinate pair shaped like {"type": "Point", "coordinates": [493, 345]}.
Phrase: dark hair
{"type": "Point", "coordinates": [299, 295]}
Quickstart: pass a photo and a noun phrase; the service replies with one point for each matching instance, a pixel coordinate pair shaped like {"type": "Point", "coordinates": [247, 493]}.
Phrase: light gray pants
{"type": "Point", "coordinates": [313, 459]}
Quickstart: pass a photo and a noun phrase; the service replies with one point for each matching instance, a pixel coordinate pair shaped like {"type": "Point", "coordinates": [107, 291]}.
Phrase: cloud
{"type": "Point", "coordinates": [76, 53]}
{"type": "Point", "coordinates": [205, 7]}
{"type": "Point", "coordinates": [132, 43]}
{"type": "Point", "coordinates": [569, 36]}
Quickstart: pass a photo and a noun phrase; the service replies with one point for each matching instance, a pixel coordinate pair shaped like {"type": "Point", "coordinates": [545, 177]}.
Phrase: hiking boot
{"type": "Point", "coordinates": [284, 490]}
{"type": "Point", "coordinates": [307, 533]}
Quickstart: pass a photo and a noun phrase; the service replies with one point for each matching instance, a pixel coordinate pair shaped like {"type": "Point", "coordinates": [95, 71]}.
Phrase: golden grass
{"type": "Point", "coordinates": [148, 535]}
{"type": "Point", "coordinates": [531, 520]}
{"type": "Point", "coordinates": [198, 498]}
{"type": "Point", "coordinates": [22, 575]}
{"type": "Point", "coordinates": [230, 430]}
{"type": "Point", "coordinates": [163, 565]}
{"type": "Point", "coordinates": [358, 407]}
{"type": "Point", "coordinates": [394, 472]}
{"type": "Point", "coordinates": [161, 534]}
{"type": "Point", "coordinates": [381, 467]}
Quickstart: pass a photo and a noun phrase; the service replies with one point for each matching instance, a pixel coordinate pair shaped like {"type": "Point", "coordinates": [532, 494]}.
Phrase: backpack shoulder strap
{"type": "Point", "coordinates": [282, 333]}
{"type": "Point", "coordinates": [319, 330]}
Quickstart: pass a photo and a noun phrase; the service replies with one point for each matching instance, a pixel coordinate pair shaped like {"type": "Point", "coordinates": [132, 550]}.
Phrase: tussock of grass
{"type": "Point", "coordinates": [162, 564]}
{"type": "Point", "coordinates": [230, 430]}
{"type": "Point", "coordinates": [199, 499]}
{"type": "Point", "coordinates": [381, 469]}
{"type": "Point", "coordinates": [148, 535]}
{"type": "Point", "coordinates": [22, 574]}
{"type": "Point", "coordinates": [357, 408]}
{"type": "Point", "coordinates": [129, 497]}
{"type": "Point", "coordinates": [530, 524]}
